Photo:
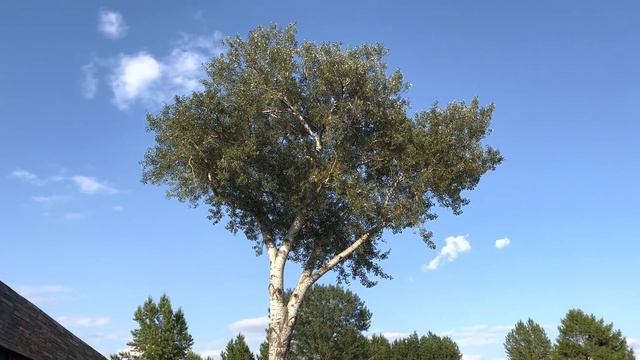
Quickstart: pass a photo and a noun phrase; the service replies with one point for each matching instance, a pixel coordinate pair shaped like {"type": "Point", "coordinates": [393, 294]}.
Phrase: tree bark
{"type": "Point", "coordinates": [282, 315]}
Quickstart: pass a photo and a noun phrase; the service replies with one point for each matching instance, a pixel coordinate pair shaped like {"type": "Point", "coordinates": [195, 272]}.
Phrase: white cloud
{"type": "Point", "coordinates": [214, 354]}
{"type": "Point", "coordinates": [133, 77]}
{"type": "Point", "coordinates": [89, 82]}
{"type": "Point", "coordinates": [471, 357]}
{"type": "Point", "coordinates": [252, 328]}
{"type": "Point", "coordinates": [70, 321]}
{"type": "Point", "coordinates": [41, 295]}
{"type": "Point", "coordinates": [478, 335]}
{"type": "Point", "coordinates": [503, 243]}
{"type": "Point", "coordinates": [391, 335]}
{"type": "Point", "coordinates": [27, 176]}
{"type": "Point", "coordinates": [151, 79]}
{"type": "Point", "coordinates": [118, 208]}
{"type": "Point", "coordinates": [90, 185]}
{"type": "Point", "coordinates": [112, 24]}
{"type": "Point", "coordinates": [454, 245]}
{"type": "Point", "coordinates": [634, 343]}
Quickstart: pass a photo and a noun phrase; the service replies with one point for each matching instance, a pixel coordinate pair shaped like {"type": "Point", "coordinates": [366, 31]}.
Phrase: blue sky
{"type": "Point", "coordinates": [86, 241]}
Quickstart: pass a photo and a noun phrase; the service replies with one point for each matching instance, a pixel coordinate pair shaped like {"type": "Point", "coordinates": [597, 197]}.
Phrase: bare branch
{"type": "Point", "coordinates": [304, 123]}
{"type": "Point", "coordinates": [193, 171]}
{"type": "Point", "coordinates": [330, 264]}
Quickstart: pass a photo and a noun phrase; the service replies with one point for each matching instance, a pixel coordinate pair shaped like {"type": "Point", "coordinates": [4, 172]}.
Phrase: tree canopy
{"type": "Point", "coordinates": [528, 341]}
{"type": "Point", "coordinates": [162, 334]}
{"type": "Point", "coordinates": [429, 347]}
{"type": "Point", "coordinates": [583, 336]}
{"type": "Point", "coordinates": [237, 349]}
{"type": "Point", "coordinates": [330, 325]}
{"type": "Point", "coordinates": [319, 136]}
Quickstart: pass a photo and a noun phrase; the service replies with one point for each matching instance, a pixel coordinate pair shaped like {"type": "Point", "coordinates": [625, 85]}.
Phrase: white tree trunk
{"type": "Point", "coordinates": [282, 315]}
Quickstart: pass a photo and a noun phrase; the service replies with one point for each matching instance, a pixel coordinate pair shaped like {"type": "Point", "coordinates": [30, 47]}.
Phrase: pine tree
{"type": "Point", "coordinates": [434, 347]}
{"type": "Point", "coordinates": [378, 348]}
{"type": "Point", "coordinates": [528, 341]}
{"type": "Point", "coordinates": [237, 349]}
{"type": "Point", "coordinates": [330, 325]}
{"type": "Point", "coordinates": [162, 334]}
{"type": "Point", "coordinates": [584, 337]}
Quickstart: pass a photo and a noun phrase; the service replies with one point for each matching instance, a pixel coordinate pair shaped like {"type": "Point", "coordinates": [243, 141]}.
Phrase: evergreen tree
{"type": "Point", "coordinates": [407, 348]}
{"type": "Point", "coordinates": [264, 351]}
{"type": "Point", "coordinates": [330, 325]}
{"type": "Point", "coordinates": [193, 356]}
{"type": "Point", "coordinates": [378, 348]}
{"type": "Point", "coordinates": [528, 341]}
{"type": "Point", "coordinates": [162, 334]}
{"type": "Point", "coordinates": [426, 347]}
{"type": "Point", "coordinates": [434, 347]}
{"type": "Point", "coordinates": [237, 349]}
{"type": "Point", "coordinates": [583, 337]}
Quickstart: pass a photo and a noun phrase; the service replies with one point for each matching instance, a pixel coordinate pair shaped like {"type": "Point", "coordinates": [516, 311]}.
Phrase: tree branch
{"type": "Point", "coordinates": [330, 264]}
{"type": "Point", "coordinates": [267, 236]}
{"type": "Point", "coordinates": [304, 123]}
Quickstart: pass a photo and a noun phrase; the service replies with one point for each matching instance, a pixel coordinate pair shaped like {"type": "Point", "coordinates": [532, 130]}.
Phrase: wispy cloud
{"type": "Point", "coordinates": [48, 199]}
{"type": "Point", "coordinates": [28, 177]}
{"type": "Point", "coordinates": [454, 245]}
{"type": "Point", "coordinates": [86, 184]}
{"type": "Point", "coordinates": [111, 24]}
{"type": "Point", "coordinates": [89, 81]}
{"type": "Point", "coordinates": [391, 335]}
{"type": "Point", "coordinates": [471, 357]}
{"type": "Point", "coordinates": [45, 294]}
{"type": "Point", "coordinates": [214, 354]}
{"type": "Point", "coordinates": [502, 243]}
{"type": "Point", "coordinates": [635, 344]}
{"type": "Point", "coordinates": [478, 335]}
{"type": "Point", "coordinates": [252, 328]}
{"type": "Point", "coordinates": [71, 321]}
{"type": "Point", "coordinates": [90, 185]}
{"type": "Point", "coordinates": [118, 208]}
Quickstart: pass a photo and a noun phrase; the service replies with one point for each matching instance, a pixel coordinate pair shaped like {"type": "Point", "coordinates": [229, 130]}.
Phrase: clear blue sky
{"type": "Point", "coordinates": [85, 240]}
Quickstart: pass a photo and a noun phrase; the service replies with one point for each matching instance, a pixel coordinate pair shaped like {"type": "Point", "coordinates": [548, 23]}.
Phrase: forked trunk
{"type": "Point", "coordinates": [282, 314]}
{"type": "Point", "coordinates": [279, 329]}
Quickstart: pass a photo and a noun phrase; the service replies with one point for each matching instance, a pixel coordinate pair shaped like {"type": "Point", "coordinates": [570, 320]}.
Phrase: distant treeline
{"type": "Point", "coordinates": [332, 322]}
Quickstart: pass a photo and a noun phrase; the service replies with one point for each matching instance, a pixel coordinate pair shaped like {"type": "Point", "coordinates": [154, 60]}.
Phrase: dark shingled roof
{"type": "Point", "coordinates": [28, 331]}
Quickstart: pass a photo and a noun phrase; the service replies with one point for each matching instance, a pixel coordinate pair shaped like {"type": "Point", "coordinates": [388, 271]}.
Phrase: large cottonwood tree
{"type": "Point", "coordinates": [309, 150]}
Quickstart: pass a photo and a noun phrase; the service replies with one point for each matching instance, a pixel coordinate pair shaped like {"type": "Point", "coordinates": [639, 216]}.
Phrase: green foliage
{"type": "Point", "coordinates": [378, 348]}
{"type": "Point", "coordinates": [528, 341]}
{"type": "Point", "coordinates": [193, 356]}
{"type": "Point", "coordinates": [286, 130]}
{"type": "Point", "coordinates": [433, 347]}
{"type": "Point", "coordinates": [582, 336]}
{"type": "Point", "coordinates": [162, 333]}
{"type": "Point", "coordinates": [237, 349]}
{"type": "Point", "coordinates": [429, 347]}
{"type": "Point", "coordinates": [406, 348]}
{"type": "Point", "coordinates": [264, 351]}
{"type": "Point", "coordinates": [329, 325]}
